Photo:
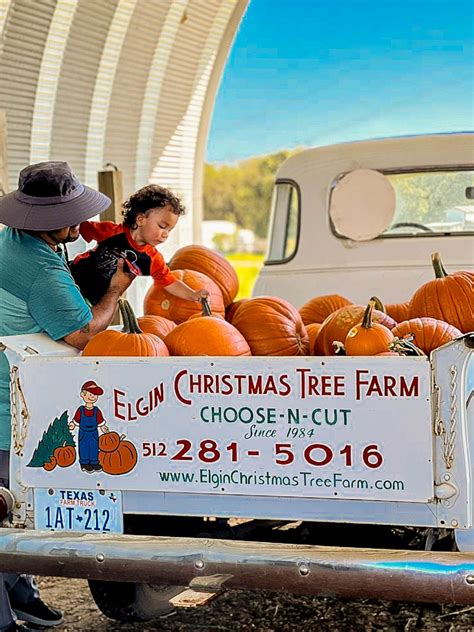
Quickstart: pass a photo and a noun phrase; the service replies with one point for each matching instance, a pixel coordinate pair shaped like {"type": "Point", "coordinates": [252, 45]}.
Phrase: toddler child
{"type": "Point", "coordinates": [149, 215]}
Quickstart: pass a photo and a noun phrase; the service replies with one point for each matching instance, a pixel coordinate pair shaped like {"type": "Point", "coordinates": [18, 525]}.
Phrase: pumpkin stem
{"type": "Point", "coordinates": [130, 324]}
{"type": "Point", "coordinates": [438, 266]}
{"type": "Point", "coordinates": [338, 348]}
{"type": "Point", "coordinates": [206, 308]}
{"type": "Point", "coordinates": [378, 304]}
{"type": "Point", "coordinates": [405, 346]}
{"type": "Point", "coordinates": [367, 320]}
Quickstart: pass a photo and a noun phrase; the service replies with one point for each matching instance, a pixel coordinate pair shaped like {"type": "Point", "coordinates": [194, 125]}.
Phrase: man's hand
{"type": "Point", "coordinates": [122, 279]}
{"type": "Point", "coordinates": [71, 426]}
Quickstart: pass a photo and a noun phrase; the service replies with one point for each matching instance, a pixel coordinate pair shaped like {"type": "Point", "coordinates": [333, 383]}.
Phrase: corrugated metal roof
{"type": "Point", "coordinates": [130, 82]}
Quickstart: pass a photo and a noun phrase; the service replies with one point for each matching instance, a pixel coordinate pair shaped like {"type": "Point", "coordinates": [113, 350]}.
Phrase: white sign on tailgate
{"type": "Point", "coordinates": [305, 427]}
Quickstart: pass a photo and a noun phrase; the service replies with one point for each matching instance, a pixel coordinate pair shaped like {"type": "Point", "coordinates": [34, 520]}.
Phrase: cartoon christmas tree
{"type": "Point", "coordinates": [57, 434]}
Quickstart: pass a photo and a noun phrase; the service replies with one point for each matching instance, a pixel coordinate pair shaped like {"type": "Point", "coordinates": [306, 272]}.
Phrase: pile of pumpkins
{"type": "Point", "coordinates": [439, 311]}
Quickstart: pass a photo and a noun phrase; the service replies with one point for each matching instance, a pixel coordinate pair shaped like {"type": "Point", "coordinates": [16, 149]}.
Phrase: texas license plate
{"type": "Point", "coordinates": [96, 511]}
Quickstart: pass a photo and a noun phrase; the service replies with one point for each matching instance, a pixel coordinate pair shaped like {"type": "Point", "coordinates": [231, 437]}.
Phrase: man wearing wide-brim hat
{"type": "Point", "coordinates": [38, 294]}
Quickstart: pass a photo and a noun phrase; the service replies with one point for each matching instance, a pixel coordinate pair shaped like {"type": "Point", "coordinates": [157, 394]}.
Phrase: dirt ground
{"type": "Point", "coordinates": [263, 612]}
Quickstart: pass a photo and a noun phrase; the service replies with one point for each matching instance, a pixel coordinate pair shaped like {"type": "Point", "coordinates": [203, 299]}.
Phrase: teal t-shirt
{"type": "Point", "coordinates": [37, 294]}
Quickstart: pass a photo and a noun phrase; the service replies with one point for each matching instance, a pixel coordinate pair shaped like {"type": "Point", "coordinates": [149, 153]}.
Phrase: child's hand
{"type": "Point", "coordinates": [200, 294]}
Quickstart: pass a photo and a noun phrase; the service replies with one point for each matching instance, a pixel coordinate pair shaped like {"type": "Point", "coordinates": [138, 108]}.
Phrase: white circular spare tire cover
{"type": "Point", "coordinates": [362, 204]}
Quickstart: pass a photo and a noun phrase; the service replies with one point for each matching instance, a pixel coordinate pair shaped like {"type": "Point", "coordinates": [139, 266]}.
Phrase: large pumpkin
{"type": "Point", "coordinates": [337, 326]}
{"type": "Point", "coordinates": [131, 341]}
{"type": "Point", "coordinates": [428, 333]}
{"type": "Point", "coordinates": [206, 335]}
{"type": "Point", "coordinates": [449, 297]}
{"type": "Point", "coordinates": [210, 263]}
{"type": "Point", "coordinates": [368, 338]}
{"type": "Point", "coordinates": [319, 308]}
{"type": "Point", "coordinates": [272, 327]}
{"type": "Point", "coordinates": [157, 325]}
{"type": "Point", "coordinates": [120, 461]}
{"type": "Point", "coordinates": [160, 302]}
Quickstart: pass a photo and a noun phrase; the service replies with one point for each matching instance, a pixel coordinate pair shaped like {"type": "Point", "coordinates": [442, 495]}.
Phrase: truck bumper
{"type": "Point", "coordinates": [446, 577]}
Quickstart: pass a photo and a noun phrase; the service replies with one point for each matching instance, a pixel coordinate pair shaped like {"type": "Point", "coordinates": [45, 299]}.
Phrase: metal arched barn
{"type": "Point", "coordinates": [128, 82]}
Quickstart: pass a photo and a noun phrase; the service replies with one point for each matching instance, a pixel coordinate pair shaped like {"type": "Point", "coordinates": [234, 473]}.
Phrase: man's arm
{"type": "Point", "coordinates": [103, 311]}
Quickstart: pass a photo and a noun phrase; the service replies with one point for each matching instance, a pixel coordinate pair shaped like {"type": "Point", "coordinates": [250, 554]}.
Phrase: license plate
{"type": "Point", "coordinates": [89, 511]}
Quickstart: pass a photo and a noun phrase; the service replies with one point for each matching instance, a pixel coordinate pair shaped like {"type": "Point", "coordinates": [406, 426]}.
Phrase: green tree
{"type": "Point", "coordinates": [241, 193]}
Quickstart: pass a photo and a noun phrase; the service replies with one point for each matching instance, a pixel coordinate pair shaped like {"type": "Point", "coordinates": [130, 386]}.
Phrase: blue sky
{"type": "Point", "coordinates": [314, 72]}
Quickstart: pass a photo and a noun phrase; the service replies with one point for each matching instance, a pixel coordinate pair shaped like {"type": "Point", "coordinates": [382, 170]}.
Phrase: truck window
{"type": "Point", "coordinates": [284, 226]}
{"type": "Point", "coordinates": [430, 203]}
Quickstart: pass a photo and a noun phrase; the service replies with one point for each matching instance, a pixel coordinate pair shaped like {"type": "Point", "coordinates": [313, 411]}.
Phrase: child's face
{"type": "Point", "coordinates": [154, 227]}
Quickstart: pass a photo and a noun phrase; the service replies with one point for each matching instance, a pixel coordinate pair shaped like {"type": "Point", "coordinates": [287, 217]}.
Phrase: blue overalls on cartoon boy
{"type": "Point", "coordinates": [89, 418]}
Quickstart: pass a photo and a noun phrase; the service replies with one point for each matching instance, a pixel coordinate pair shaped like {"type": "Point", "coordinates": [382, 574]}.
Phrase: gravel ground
{"type": "Point", "coordinates": [263, 612]}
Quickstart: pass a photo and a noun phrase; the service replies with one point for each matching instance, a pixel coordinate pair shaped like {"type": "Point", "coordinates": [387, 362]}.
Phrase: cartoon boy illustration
{"type": "Point", "coordinates": [89, 418]}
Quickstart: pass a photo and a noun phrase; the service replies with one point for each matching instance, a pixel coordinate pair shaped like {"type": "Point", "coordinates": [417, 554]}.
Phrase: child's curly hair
{"type": "Point", "coordinates": [146, 198]}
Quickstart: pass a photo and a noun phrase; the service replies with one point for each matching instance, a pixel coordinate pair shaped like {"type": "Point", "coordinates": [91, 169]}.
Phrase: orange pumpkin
{"type": "Point", "coordinates": [157, 325]}
{"type": "Point", "coordinates": [232, 308]}
{"type": "Point", "coordinates": [449, 297]}
{"type": "Point", "coordinates": [272, 327]}
{"type": "Point", "coordinates": [313, 330]}
{"type": "Point", "coordinates": [337, 326]}
{"type": "Point", "coordinates": [368, 338]}
{"type": "Point", "coordinates": [206, 335]}
{"type": "Point", "coordinates": [428, 333]}
{"type": "Point", "coordinates": [398, 311]}
{"type": "Point", "coordinates": [210, 263]}
{"type": "Point", "coordinates": [120, 461]}
{"type": "Point", "coordinates": [109, 441]}
{"type": "Point", "coordinates": [65, 455]}
{"type": "Point", "coordinates": [131, 341]}
{"type": "Point", "coordinates": [50, 465]}
{"type": "Point", "coordinates": [319, 308]}
{"type": "Point", "coordinates": [160, 302]}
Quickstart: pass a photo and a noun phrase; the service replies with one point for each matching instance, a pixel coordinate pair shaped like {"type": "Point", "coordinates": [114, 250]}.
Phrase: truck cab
{"type": "Point", "coordinates": [362, 219]}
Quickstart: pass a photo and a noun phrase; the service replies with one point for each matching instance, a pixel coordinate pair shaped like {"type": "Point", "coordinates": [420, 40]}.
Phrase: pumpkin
{"type": "Point", "coordinates": [206, 335]}
{"type": "Point", "coordinates": [398, 311]}
{"type": "Point", "coordinates": [319, 308]}
{"type": "Point", "coordinates": [109, 441]}
{"type": "Point", "coordinates": [210, 263]}
{"type": "Point", "coordinates": [120, 461]}
{"type": "Point", "coordinates": [428, 333]}
{"type": "Point", "coordinates": [313, 331]}
{"type": "Point", "coordinates": [160, 302]}
{"type": "Point", "coordinates": [131, 341]}
{"type": "Point", "coordinates": [157, 325]}
{"type": "Point", "coordinates": [337, 325]}
{"type": "Point", "coordinates": [65, 455]}
{"type": "Point", "coordinates": [449, 297]}
{"type": "Point", "coordinates": [232, 308]}
{"type": "Point", "coordinates": [368, 338]}
{"type": "Point", "coordinates": [272, 327]}
{"type": "Point", "coordinates": [50, 465]}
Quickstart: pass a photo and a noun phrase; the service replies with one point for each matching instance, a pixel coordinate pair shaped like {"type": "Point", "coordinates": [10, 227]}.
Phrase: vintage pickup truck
{"type": "Point", "coordinates": [342, 476]}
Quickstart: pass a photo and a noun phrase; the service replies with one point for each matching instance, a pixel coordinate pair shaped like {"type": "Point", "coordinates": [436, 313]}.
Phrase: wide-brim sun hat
{"type": "Point", "coordinates": [50, 197]}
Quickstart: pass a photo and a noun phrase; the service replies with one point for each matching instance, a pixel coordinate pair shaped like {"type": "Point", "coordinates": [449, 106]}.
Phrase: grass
{"type": "Point", "coordinates": [247, 266]}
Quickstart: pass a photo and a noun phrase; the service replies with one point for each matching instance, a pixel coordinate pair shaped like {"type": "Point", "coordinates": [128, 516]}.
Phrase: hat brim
{"type": "Point", "coordinates": [18, 214]}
